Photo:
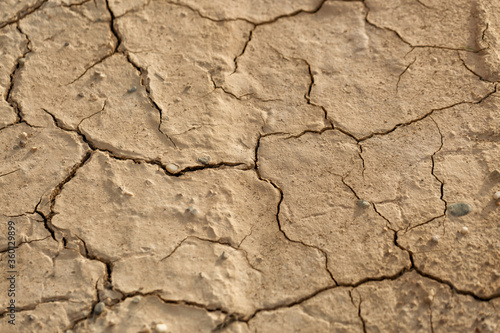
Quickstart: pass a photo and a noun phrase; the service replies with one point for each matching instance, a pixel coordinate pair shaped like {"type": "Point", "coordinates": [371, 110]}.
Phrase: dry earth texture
{"type": "Point", "coordinates": [250, 166]}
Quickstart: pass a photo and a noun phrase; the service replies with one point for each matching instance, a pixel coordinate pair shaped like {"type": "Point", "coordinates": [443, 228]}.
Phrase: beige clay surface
{"type": "Point", "coordinates": [250, 166]}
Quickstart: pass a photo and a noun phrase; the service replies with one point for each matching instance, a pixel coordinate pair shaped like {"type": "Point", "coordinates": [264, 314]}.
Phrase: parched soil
{"type": "Point", "coordinates": [249, 166]}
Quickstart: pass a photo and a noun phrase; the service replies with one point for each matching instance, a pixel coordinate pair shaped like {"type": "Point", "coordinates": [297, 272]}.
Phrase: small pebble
{"type": "Point", "coordinates": [204, 159]}
{"type": "Point", "coordinates": [459, 209]}
{"type": "Point", "coordinates": [161, 328]}
{"type": "Point", "coordinates": [21, 61]}
{"type": "Point", "coordinates": [363, 203]}
{"type": "Point", "coordinates": [464, 230]}
{"type": "Point", "coordinates": [172, 168]}
{"type": "Point", "coordinates": [496, 196]}
{"type": "Point", "coordinates": [22, 143]}
{"type": "Point", "coordinates": [80, 95]}
{"type": "Point", "coordinates": [136, 299]}
{"type": "Point", "coordinates": [132, 89]}
{"type": "Point", "coordinates": [31, 317]}
{"type": "Point", "coordinates": [66, 44]}
{"type": "Point", "coordinates": [24, 135]}
{"type": "Point", "coordinates": [68, 331]}
{"type": "Point", "coordinates": [435, 238]}
{"type": "Point", "coordinates": [34, 148]}
{"type": "Point", "coordinates": [99, 308]}
{"type": "Point", "coordinates": [224, 255]}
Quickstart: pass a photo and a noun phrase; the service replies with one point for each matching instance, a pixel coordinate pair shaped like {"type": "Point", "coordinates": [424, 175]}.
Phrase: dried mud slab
{"type": "Point", "coordinates": [12, 47]}
{"type": "Point", "coordinates": [190, 226]}
{"type": "Point", "coordinates": [329, 311]}
{"type": "Point", "coordinates": [28, 228]}
{"type": "Point", "coordinates": [52, 275]}
{"type": "Point", "coordinates": [259, 11]}
{"type": "Point", "coordinates": [13, 10]}
{"type": "Point", "coordinates": [35, 161]}
{"type": "Point", "coordinates": [486, 62]}
{"type": "Point", "coordinates": [51, 317]}
{"type": "Point", "coordinates": [183, 71]}
{"type": "Point", "coordinates": [413, 303]}
{"type": "Point", "coordinates": [467, 258]}
{"type": "Point", "coordinates": [398, 178]}
{"type": "Point", "coordinates": [145, 314]}
{"type": "Point", "coordinates": [357, 69]}
{"type": "Point", "coordinates": [450, 24]}
{"type": "Point", "coordinates": [64, 44]}
{"type": "Point", "coordinates": [320, 210]}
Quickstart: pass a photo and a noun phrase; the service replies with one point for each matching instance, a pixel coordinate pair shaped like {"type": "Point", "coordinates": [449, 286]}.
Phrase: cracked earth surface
{"type": "Point", "coordinates": [251, 166]}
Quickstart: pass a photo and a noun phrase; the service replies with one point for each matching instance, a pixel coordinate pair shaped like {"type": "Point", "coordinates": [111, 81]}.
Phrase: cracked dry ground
{"type": "Point", "coordinates": [251, 166]}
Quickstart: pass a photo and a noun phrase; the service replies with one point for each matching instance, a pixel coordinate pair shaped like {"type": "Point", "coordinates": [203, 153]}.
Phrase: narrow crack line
{"type": "Point", "coordinates": [21, 242]}
{"type": "Point", "coordinates": [23, 13]}
{"type": "Point", "coordinates": [255, 24]}
{"type": "Point", "coordinates": [175, 249]}
{"type": "Point", "coordinates": [472, 71]}
{"type": "Point", "coordinates": [57, 190]}
{"type": "Point", "coordinates": [423, 117]}
{"type": "Point", "coordinates": [456, 290]}
{"type": "Point", "coordinates": [93, 114]}
{"type": "Point", "coordinates": [367, 20]}
{"type": "Point", "coordinates": [231, 246]}
{"type": "Point", "coordinates": [363, 323]}
{"type": "Point", "coordinates": [483, 35]}
{"type": "Point", "coordinates": [18, 64]}
{"type": "Point", "coordinates": [99, 61]}
{"type": "Point", "coordinates": [402, 73]}
{"type": "Point", "coordinates": [212, 166]}
{"type": "Point", "coordinates": [296, 136]}
{"type": "Point", "coordinates": [239, 98]}
{"type": "Point", "coordinates": [423, 4]}
{"type": "Point", "coordinates": [219, 242]}
{"type": "Point", "coordinates": [360, 154]}
{"type": "Point", "coordinates": [235, 60]}
{"type": "Point", "coordinates": [288, 304]}
{"type": "Point", "coordinates": [433, 160]}
{"type": "Point", "coordinates": [10, 172]}
{"type": "Point", "coordinates": [147, 88]}
{"type": "Point", "coordinates": [77, 4]}
{"type": "Point", "coordinates": [430, 318]}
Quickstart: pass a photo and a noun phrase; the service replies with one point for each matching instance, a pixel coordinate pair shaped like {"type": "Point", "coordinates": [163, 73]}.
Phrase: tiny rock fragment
{"type": "Point", "coordinates": [136, 299]}
{"type": "Point", "coordinates": [22, 143]}
{"type": "Point", "coordinates": [80, 95]}
{"type": "Point", "coordinates": [31, 317]}
{"type": "Point", "coordinates": [459, 209]}
{"type": "Point", "coordinates": [224, 255]}
{"type": "Point", "coordinates": [100, 74]}
{"type": "Point", "coordinates": [34, 148]}
{"type": "Point", "coordinates": [172, 168]}
{"type": "Point", "coordinates": [24, 135]}
{"type": "Point", "coordinates": [204, 159]}
{"type": "Point", "coordinates": [435, 238]}
{"type": "Point", "coordinates": [464, 230]}
{"type": "Point", "coordinates": [99, 308]}
{"type": "Point", "coordinates": [128, 193]}
{"type": "Point", "coordinates": [363, 203]}
{"type": "Point", "coordinates": [496, 196]}
{"type": "Point", "coordinates": [161, 328]}
{"type": "Point", "coordinates": [192, 210]}
{"type": "Point", "coordinates": [66, 44]}
{"type": "Point", "coordinates": [132, 89]}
